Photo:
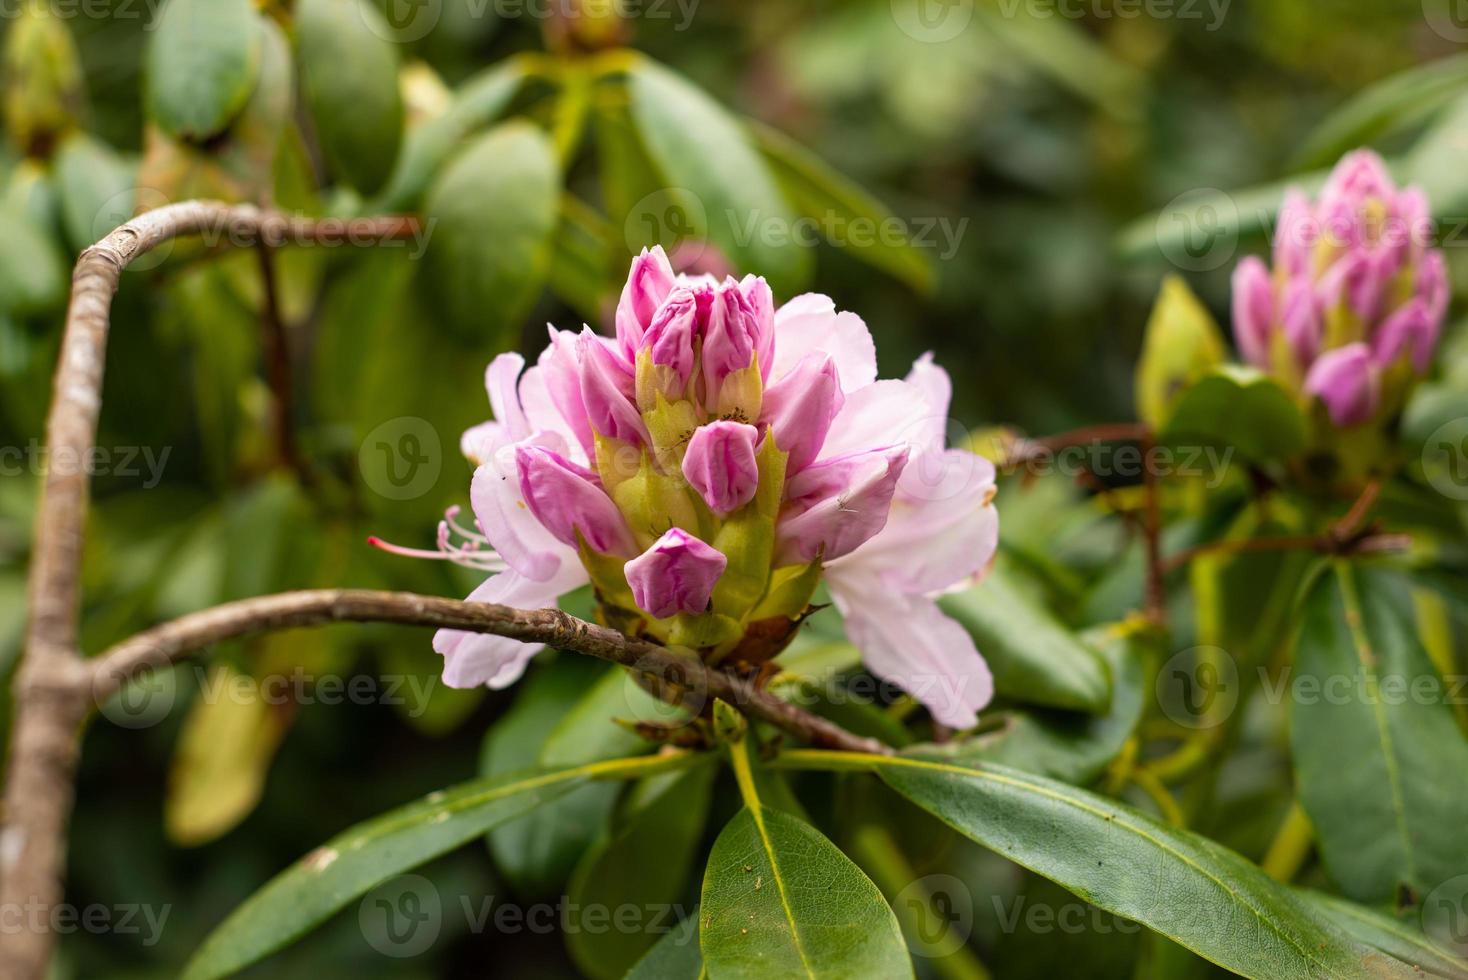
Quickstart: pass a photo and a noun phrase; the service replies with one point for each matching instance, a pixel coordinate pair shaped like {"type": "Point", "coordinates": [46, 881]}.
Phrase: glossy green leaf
{"type": "Point", "coordinates": [96, 187]}
{"type": "Point", "coordinates": [1379, 109]}
{"type": "Point", "coordinates": [537, 853]}
{"type": "Point", "coordinates": [780, 900]}
{"type": "Point", "coordinates": [202, 60]}
{"type": "Point", "coordinates": [349, 865]}
{"type": "Point", "coordinates": [1241, 407]}
{"type": "Point", "coordinates": [1182, 343]}
{"type": "Point", "coordinates": [349, 77]}
{"type": "Point", "coordinates": [1205, 226]}
{"type": "Point", "coordinates": [864, 227]}
{"type": "Point", "coordinates": [644, 866]}
{"type": "Point", "coordinates": [1435, 162]}
{"type": "Point", "coordinates": [1193, 891]}
{"type": "Point", "coordinates": [1404, 940]}
{"type": "Point", "coordinates": [581, 271]}
{"type": "Point", "coordinates": [494, 210]}
{"type": "Point", "coordinates": [1064, 745]}
{"type": "Point", "coordinates": [1033, 656]}
{"type": "Point", "coordinates": [701, 149]}
{"type": "Point", "coordinates": [1373, 737]}
{"type": "Point", "coordinates": [675, 957]}
{"type": "Point", "coordinates": [426, 147]}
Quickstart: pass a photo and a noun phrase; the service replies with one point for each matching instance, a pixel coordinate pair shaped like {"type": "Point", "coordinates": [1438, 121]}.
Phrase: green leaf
{"type": "Point", "coordinates": [201, 65]}
{"type": "Point", "coordinates": [779, 900]}
{"type": "Point", "coordinates": [1383, 107]}
{"type": "Point", "coordinates": [477, 103]}
{"type": "Point", "coordinates": [580, 272]}
{"type": "Point", "coordinates": [644, 866]}
{"type": "Point", "coordinates": [1032, 655]}
{"type": "Point", "coordinates": [349, 77]}
{"type": "Point", "coordinates": [1371, 752]}
{"type": "Point", "coordinates": [1207, 224]}
{"type": "Point", "coordinates": [32, 270]}
{"type": "Point", "coordinates": [1075, 748]}
{"type": "Point", "coordinates": [1193, 891]}
{"type": "Point", "coordinates": [96, 188]}
{"type": "Point", "coordinates": [537, 853]}
{"type": "Point", "coordinates": [675, 957]}
{"type": "Point", "coordinates": [351, 864]}
{"type": "Point", "coordinates": [1240, 407]}
{"type": "Point", "coordinates": [493, 211]}
{"type": "Point", "coordinates": [1435, 163]}
{"type": "Point", "coordinates": [1182, 343]}
{"type": "Point", "coordinates": [1391, 936]}
{"type": "Point", "coordinates": [700, 149]}
{"type": "Point", "coordinates": [869, 232]}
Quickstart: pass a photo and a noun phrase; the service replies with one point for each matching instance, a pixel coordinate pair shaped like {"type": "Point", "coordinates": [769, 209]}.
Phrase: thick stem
{"type": "Point", "coordinates": [50, 692]}
{"type": "Point", "coordinates": [687, 680]}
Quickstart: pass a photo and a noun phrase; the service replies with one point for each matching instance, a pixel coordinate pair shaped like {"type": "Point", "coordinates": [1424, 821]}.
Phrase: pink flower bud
{"type": "Point", "coordinates": [1295, 238]}
{"type": "Point", "coordinates": [1253, 310]}
{"type": "Point", "coordinates": [607, 389]}
{"type": "Point", "coordinates": [1412, 329]}
{"type": "Point", "coordinates": [676, 575]}
{"type": "Point", "coordinates": [720, 464]}
{"type": "Point", "coordinates": [648, 284]}
{"type": "Point", "coordinates": [671, 334]}
{"type": "Point", "coordinates": [568, 499]}
{"type": "Point", "coordinates": [761, 303]}
{"type": "Point", "coordinates": [731, 337]}
{"type": "Point", "coordinates": [800, 406]}
{"type": "Point", "coordinates": [561, 365]}
{"type": "Point", "coordinates": [837, 505]}
{"type": "Point", "coordinates": [1347, 381]}
{"type": "Point", "coordinates": [1302, 320]}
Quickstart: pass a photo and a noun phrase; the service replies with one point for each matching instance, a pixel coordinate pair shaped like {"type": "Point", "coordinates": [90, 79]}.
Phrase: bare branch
{"type": "Point", "coordinates": [687, 680]}
{"type": "Point", "coordinates": [50, 704]}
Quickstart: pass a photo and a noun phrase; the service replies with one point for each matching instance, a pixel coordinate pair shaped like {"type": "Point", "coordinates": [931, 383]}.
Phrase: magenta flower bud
{"type": "Point", "coordinates": [676, 575]}
{"type": "Point", "coordinates": [1413, 330]}
{"type": "Point", "coordinates": [671, 335]}
{"type": "Point", "coordinates": [1253, 310]}
{"type": "Point", "coordinates": [607, 389]}
{"type": "Point", "coordinates": [761, 303]}
{"type": "Point", "coordinates": [1353, 269]}
{"type": "Point", "coordinates": [720, 464]}
{"type": "Point", "coordinates": [799, 408]}
{"type": "Point", "coordinates": [568, 500]}
{"type": "Point", "coordinates": [837, 505]}
{"type": "Point", "coordinates": [648, 284]}
{"type": "Point", "coordinates": [731, 337]}
{"type": "Point", "coordinates": [1348, 382]}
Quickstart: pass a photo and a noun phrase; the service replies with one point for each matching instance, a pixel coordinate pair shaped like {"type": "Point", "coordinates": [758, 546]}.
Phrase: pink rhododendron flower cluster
{"type": "Point", "coordinates": [707, 468]}
{"type": "Point", "coordinates": [1352, 310]}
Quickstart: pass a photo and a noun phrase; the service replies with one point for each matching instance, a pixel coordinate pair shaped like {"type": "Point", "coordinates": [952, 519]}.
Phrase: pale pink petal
{"type": "Point", "coordinates": [810, 322]}
{"type": "Point", "coordinates": [500, 509]}
{"type": "Point", "coordinates": [474, 659]}
{"type": "Point", "coordinates": [880, 414]}
{"type": "Point", "coordinates": [835, 506]}
{"type": "Point", "coordinates": [502, 381]}
{"type": "Point", "coordinates": [908, 641]}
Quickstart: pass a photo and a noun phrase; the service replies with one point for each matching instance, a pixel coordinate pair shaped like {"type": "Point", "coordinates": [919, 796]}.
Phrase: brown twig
{"type": "Point", "coordinates": [685, 679]}
{"type": "Point", "coordinates": [1026, 451]}
{"type": "Point", "coordinates": [1346, 536]}
{"type": "Point", "coordinates": [1152, 539]}
{"type": "Point", "coordinates": [277, 350]}
{"type": "Point", "coordinates": [50, 704]}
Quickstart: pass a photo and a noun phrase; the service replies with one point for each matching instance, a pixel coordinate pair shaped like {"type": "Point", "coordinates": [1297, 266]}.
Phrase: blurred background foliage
{"type": "Point", "coordinates": [1032, 158]}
